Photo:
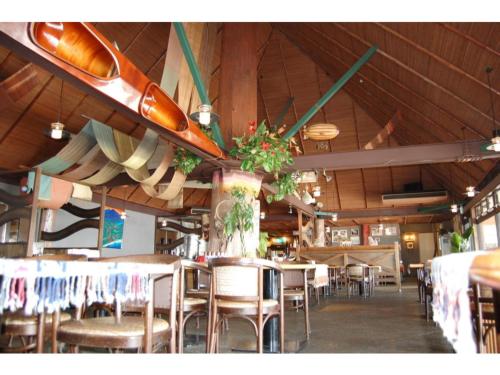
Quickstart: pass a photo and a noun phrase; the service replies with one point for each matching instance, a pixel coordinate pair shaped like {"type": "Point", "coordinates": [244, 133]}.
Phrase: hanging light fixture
{"type": "Point", "coordinates": [262, 215]}
{"type": "Point", "coordinates": [334, 216]}
{"type": "Point", "coordinates": [290, 210]}
{"type": "Point", "coordinates": [123, 215]}
{"type": "Point", "coordinates": [321, 132]}
{"type": "Point", "coordinates": [495, 140]}
{"type": "Point", "coordinates": [164, 223]}
{"type": "Point", "coordinates": [204, 116]}
{"type": "Point", "coordinates": [454, 208]}
{"type": "Point", "coordinates": [57, 128]}
{"type": "Point", "coordinates": [470, 190]}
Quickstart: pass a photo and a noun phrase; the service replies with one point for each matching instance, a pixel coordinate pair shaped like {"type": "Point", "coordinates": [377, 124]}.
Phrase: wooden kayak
{"type": "Point", "coordinates": [82, 55]}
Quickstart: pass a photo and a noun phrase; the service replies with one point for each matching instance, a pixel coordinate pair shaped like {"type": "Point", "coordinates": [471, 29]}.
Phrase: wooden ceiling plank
{"type": "Point", "coordinates": [437, 58]}
{"type": "Point", "coordinates": [26, 110]}
{"type": "Point", "coordinates": [400, 85]}
{"type": "Point", "coordinates": [419, 75]}
{"type": "Point", "coordinates": [469, 38]}
{"type": "Point", "coordinates": [290, 94]}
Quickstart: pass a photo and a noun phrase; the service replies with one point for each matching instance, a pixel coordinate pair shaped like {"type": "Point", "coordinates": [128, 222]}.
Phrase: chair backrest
{"type": "Point", "coordinates": [356, 270]}
{"type": "Point", "coordinates": [239, 278]}
{"type": "Point", "coordinates": [59, 257]}
{"type": "Point", "coordinates": [163, 288]}
{"type": "Point", "coordinates": [293, 278]}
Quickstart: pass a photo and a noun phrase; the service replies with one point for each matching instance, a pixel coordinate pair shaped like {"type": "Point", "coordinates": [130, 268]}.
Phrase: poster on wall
{"type": "Point", "coordinates": [113, 228]}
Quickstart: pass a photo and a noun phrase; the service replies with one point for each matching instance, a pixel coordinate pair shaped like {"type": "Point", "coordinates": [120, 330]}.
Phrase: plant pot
{"type": "Point", "coordinates": [235, 178]}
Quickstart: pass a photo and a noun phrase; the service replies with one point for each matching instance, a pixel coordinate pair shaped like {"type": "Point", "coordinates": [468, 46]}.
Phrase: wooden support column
{"type": "Point", "coordinates": [299, 221]}
{"type": "Point", "coordinates": [34, 213]}
{"type": "Point", "coordinates": [238, 79]}
{"type": "Point", "coordinates": [100, 235]}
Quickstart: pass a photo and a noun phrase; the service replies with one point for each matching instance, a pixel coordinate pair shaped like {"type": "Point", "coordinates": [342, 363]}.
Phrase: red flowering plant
{"type": "Point", "coordinates": [267, 150]}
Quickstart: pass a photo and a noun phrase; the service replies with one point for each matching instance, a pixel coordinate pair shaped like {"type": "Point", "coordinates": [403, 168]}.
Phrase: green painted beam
{"type": "Point", "coordinates": [331, 92]}
{"type": "Point", "coordinates": [195, 72]}
{"type": "Point", "coordinates": [279, 120]}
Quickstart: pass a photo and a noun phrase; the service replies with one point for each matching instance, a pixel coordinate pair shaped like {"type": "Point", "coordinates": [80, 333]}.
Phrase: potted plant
{"type": "Point", "coordinates": [460, 242]}
{"type": "Point", "coordinates": [264, 150]}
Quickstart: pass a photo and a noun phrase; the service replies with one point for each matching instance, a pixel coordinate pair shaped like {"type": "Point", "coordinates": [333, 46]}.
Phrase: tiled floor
{"type": "Point", "coordinates": [388, 322]}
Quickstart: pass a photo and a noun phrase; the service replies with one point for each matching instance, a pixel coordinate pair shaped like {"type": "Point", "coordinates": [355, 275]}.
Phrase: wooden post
{"type": "Point", "coordinates": [34, 212]}
{"type": "Point", "coordinates": [398, 269]}
{"type": "Point", "coordinates": [319, 232]}
{"type": "Point", "coordinates": [100, 235]}
{"type": "Point", "coordinates": [299, 221]}
{"type": "Point", "coordinates": [238, 79]}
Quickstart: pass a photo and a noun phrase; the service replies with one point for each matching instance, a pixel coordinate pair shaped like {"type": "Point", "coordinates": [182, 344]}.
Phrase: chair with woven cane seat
{"type": "Point", "coordinates": [295, 291]}
{"type": "Point", "coordinates": [31, 329]}
{"type": "Point", "coordinates": [238, 292]}
{"type": "Point", "coordinates": [142, 333]}
{"type": "Point", "coordinates": [320, 279]}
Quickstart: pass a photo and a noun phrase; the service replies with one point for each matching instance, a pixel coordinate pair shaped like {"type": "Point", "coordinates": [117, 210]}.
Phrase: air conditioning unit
{"type": "Point", "coordinates": [199, 210]}
{"type": "Point", "coordinates": [409, 198]}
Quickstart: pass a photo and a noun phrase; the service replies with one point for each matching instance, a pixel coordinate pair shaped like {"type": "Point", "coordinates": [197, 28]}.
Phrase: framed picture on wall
{"type": "Point", "coordinates": [375, 230]}
{"type": "Point", "coordinates": [409, 245]}
{"type": "Point", "coordinates": [391, 230]}
{"type": "Point", "coordinates": [354, 232]}
{"type": "Point", "coordinates": [113, 228]}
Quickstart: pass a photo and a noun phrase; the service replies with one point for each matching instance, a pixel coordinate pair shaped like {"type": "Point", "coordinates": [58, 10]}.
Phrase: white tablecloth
{"type": "Point", "coordinates": [451, 308]}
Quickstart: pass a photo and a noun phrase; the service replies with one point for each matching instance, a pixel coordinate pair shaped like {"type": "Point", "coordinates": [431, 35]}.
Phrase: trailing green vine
{"type": "Point", "coordinates": [286, 185]}
{"type": "Point", "coordinates": [186, 161]}
{"type": "Point", "coordinates": [240, 217]}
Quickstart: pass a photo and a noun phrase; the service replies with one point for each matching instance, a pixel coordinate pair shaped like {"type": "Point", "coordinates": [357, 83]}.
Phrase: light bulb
{"type": "Point", "coordinates": [334, 217]}
{"type": "Point", "coordinates": [164, 223]}
{"type": "Point", "coordinates": [454, 208]}
{"type": "Point", "coordinates": [470, 191]}
{"type": "Point", "coordinates": [123, 216]}
{"type": "Point", "coordinates": [204, 114]}
{"type": "Point", "coordinates": [56, 131]}
{"type": "Point", "coordinates": [262, 215]}
{"type": "Point", "coordinates": [495, 144]}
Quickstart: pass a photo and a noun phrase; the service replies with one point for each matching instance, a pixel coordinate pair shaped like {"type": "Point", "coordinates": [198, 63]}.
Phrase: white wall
{"type": "Point", "coordinates": [138, 233]}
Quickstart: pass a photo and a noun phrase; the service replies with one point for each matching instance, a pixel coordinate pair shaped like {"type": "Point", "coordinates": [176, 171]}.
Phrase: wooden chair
{"type": "Point", "coordinates": [141, 333]}
{"type": "Point", "coordinates": [30, 330]}
{"type": "Point", "coordinates": [484, 319]}
{"type": "Point", "coordinates": [238, 291]}
{"type": "Point", "coordinates": [357, 275]}
{"type": "Point", "coordinates": [295, 291]}
{"type": "Point", "coordinates": [191, 305]}
{"type": "Point", "coordinates": [320, 279]}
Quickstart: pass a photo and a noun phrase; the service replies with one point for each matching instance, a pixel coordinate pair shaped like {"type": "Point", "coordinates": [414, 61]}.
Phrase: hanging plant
{"type": "Point", "coordinates": [286, 185]}
{"type": "Point", "coordinates": [186, 161]}
{"type": "Point", "coordinates": [261, 149]}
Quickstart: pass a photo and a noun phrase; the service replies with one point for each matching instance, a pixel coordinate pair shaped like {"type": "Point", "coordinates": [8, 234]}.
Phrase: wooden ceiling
{"type": "Point", "coordinates": [432, 73]}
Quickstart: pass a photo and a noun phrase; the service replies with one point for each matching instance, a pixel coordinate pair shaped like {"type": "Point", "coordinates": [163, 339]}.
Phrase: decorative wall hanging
{"type": "Point", "coordinates": [113, 228]}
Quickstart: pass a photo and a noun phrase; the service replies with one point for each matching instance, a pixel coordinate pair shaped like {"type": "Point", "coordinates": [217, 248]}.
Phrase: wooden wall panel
{"type": "Point", "coordinates": [351, 189]}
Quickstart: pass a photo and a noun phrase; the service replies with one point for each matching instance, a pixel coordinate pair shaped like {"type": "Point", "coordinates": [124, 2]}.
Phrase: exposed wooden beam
{"type": "Point", "coordinates": [294, 201]}
{"type": "Point", "coordinates": [393, 156]}
{"type": "Point", "coordinates": [383, 134]}
{"type": "Point", "coordinates": [117, 202]}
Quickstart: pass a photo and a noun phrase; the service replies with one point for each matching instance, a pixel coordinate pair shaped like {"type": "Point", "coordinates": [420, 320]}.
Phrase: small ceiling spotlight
{"type": "Point", "coordinates": [164, 223]}
{"type": "Point", "coordinates": [262, 215]}
{"type": "Point", "coordinates": [317, 191]}
{"type": "Point", "coordinates": [334, 216]}
{"type": "Point", "coordinates": [454, 208]}
{"type": "Point", "coordinates": [470, 191]}
{"type": "Point", "coordinates": [290, 209]}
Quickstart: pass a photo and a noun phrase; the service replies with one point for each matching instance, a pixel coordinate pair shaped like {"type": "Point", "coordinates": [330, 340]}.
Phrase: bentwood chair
{"type": "Point", "coordinates": [194, 304]}
{"type": "Point", "coordinates": [30, 330]}
{"type": "Point", "coordinates": [484, 319]}
{"type": "Point", "coordinates": [238, 292]}
{"type": "Point", "coordinates": [128, 332]}
{"type": "Point", "coordinates": [320, 279]}
{"type": "Point", "coordinates": [295, 291]}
